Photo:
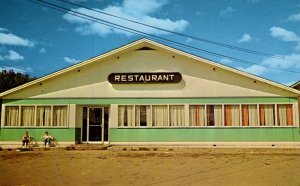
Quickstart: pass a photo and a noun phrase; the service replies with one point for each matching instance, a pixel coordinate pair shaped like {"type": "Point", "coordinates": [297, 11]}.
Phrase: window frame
{"type": "Point", "coordinates": [19, 125]}
{"type": "Point", "coordinates": [188, 119]}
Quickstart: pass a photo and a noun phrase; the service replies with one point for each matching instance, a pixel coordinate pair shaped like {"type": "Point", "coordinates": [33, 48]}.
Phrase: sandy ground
{"type": "Point", "coordinates": [163, 167]}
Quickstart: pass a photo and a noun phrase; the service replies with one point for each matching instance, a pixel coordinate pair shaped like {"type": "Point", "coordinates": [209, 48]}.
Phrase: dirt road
{"type": "Point", "coordinates": [176, 167]}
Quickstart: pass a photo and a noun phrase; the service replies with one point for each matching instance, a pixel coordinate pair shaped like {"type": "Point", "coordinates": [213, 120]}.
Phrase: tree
{"type": "Point", "coordinates": [10, 79]}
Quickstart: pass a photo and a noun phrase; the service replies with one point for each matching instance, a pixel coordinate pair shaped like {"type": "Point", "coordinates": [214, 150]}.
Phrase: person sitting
{"type": "Point", "coordinates": [47, 139]}
{"type": "Point", "coordinates": [25, 139]}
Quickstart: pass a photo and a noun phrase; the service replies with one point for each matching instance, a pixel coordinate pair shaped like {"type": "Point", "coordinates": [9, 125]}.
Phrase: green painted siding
{"type": "Point", "coordinates": [205, 135]}
{"type": "Point", "coordinates": [106, 101]}
{"type": "Point", "coordinates": [15, 134]}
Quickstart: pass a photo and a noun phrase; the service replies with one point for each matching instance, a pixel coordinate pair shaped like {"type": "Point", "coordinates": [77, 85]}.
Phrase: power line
{"type": "Point", "coordinates": [186, 35]}
{"type": "Point", "coordinates": [107, 23]}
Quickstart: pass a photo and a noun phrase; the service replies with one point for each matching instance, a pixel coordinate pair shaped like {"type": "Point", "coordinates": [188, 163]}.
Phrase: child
{"type": "Point", "coordinates": [25, 139]}
{"type": "Point", "coordinates": [47, 139]}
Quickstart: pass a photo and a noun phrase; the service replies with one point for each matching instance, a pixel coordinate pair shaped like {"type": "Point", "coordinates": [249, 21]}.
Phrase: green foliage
{"type": "Point", "coordinates": [10, 79]}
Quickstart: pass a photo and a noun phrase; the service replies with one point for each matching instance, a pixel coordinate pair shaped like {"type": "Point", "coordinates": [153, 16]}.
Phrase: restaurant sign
{"type": "Point", "coordinates": [144, 77]}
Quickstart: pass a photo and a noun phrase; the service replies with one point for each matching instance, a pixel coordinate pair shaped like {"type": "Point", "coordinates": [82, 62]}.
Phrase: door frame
{"type": "Point", "coordinates": [102, 125]}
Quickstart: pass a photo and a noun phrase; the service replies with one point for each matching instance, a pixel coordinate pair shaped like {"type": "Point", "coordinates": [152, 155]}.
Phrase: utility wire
{"type": "Point", "coordinates": [107, 23]}
{"type": "Point", "coordinates": [186, 35]}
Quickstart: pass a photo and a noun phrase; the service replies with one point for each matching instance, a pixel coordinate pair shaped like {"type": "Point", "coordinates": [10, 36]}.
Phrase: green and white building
{"type": "Point", "coordinates": [146, 93]}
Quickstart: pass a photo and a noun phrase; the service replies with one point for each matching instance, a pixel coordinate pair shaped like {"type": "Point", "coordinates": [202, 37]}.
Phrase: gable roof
{"type": "Point", "coordinates": [295, 85]}
{"type": "Point", "coordinates": [136, 45]}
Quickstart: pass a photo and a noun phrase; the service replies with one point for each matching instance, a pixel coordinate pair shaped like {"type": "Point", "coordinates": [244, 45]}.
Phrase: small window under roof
{"type": "Point", "coordinates": [145, 48]}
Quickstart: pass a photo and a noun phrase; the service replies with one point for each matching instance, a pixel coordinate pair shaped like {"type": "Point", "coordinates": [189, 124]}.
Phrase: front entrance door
{"type": "Point", "coordinates": [95, 124]}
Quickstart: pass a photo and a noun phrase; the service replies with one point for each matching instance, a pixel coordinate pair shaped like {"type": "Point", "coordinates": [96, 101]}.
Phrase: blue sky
{"type": "Point", "coordinates": [38, 40]}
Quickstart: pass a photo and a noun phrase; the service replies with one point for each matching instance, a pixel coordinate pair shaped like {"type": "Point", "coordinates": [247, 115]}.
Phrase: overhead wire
{"type": "Point", "coordinates": [134, 31]}
{"type": "Point", "coordinates": [184, 35]}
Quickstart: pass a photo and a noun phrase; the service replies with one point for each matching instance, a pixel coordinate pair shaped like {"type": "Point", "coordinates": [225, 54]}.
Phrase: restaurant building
{"type": "Point", "coordinates": [147, 93]}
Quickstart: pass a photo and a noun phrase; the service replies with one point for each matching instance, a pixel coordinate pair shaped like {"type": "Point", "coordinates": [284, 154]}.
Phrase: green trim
{"type": "Point", "coordinates": [205, 135]}
{"type": "Point", "coordinates": [107, 101]}
{"type": "Point", "coordinates": [15, 134]}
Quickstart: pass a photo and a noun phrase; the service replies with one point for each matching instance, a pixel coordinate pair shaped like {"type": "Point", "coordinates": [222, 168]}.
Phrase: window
{"type": "Point", "coordinates": [59, 116]}
{"type": "Point", "coordinates": [214, 115]}
{"type": "Point", "coordinates": [176, 115]}
{"type": "Point", "coordinates": [151, 115]}
{"type": "Point", "coordinates": [12, 116]}
{"type": "Point", "coordinates": [142, 115]}
{"type": "Point", "coordinates": [285, 115]}
{"type": "Point", "coordinates": [249, 115]}
{"type": "Point", "coordinates": [126, 116]}
{"type": "Point", "coordinates": [267, 115]}
{"type": "Point", "coordinates": [27, 116]}
{"type": "Point", "coordinates": [197, 115]}
{"type": "Point", "coordinates": [232, 115]}
{"type": "Point", "coordinates": [37, 115]}
{"type": "Point", "coordinates": [43, 116]}
{"type": "Point", "coordinates": [160, 115]}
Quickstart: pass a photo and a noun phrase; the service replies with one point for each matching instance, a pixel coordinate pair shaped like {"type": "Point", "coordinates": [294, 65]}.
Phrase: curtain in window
{"type": "Point", "coordinates": [197, 115]}
{"type": "Point", "coordinates": [266, 113]}
{"type": "Point", "coordinates": [249, 115]}
{"type": "Point", "coordinates": [27, 115]}
{"type": "Point", "coordinates": [214, 115]}
{"type": "Point", "coordinates": [176, 115]}
{"type": "Point", "coordinates": [11, 116]}
{"type": "Point", "coordinates": [232, 115]}
{"type": "Point", "coordinates": [143, 115]}
{"type": "Point", "coordinates": [43, 116]}
{"type": "Point", "coordinates": [126, 116]}
{"type": "Point", "coordinates": [159, 115]}
{"type": "Point", "coordinates": [60, 116]}
{"type": "Point", "coordinates": [285, 115]}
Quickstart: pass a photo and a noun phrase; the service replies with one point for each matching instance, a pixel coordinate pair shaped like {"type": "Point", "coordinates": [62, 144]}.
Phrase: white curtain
{"type": "Point", "coordinates": [142, 115]}
{"type": "Point", "coordinates": [11, 116]}
{"type": "Point", "coordinates": [60, 115]}
{"type": "Point", "coordinates": [176, 115]}
{"type": "Point", "coordinates": [218, 115]}
{"type": "Point", "coordinates": [27, 115]}
{"type": "Point", "coordinates": [160, 115]}
{"type": "Point", "coordinates": [285, 115]}
{"type": "Point", "coordinates": [43, 116]}
{"type": "Point", "coordinates": [269, 115]}
{"type": "Point", "coordinates": [126, 116]}
{"type": "Point", "coordinates": [197, 115]}
{"type": "Point", "coordinates": [252, 115]}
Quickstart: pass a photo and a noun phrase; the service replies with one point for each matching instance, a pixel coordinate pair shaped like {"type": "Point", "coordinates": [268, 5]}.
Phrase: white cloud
{"type": "Point", "coordinates": [23, 70]}
{"type": "Point", "coordinates": [3, 29]}
{"type": "Point", "coordinates": [60, 29]}
{"type": "Point", "coordinates": [225, 61]}
{"type": "Point", "coordinates": [189, 40]}
{"type": "Point", "coordinates": [198, 13]}
{"type": "Point", "coordinates": [129, 9]}
{"type": "Point", "coordinates": [269, 65]}
{"type": "Point", "coordinates": [292, 62]}
{"type": "Point", "coordinates": [284, 34]}
{"type": "Point", "coordinates": [11, 39]}
{"type": "Point", "coordinates": [254, 69]}
{"type": "Point", "coordinates": [245, 38]}
{"type": "Point", "coordinates": [294, 17]}
{"type": "Point", "coordinates": [71, 60]}
{"type": "Point", "coordinates": [226, 11]}
{"type": "Point", "coordinates": [42, 51]}
{"type": "Point", "coordinates": [12, 56]}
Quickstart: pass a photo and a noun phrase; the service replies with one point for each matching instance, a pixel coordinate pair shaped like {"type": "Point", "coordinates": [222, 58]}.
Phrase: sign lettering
{"type": "Point", "coordinates": [146, 77]}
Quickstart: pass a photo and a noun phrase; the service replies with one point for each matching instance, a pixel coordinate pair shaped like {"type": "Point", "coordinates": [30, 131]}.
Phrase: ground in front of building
{"type": "Point", "coordinates": [144, 166]}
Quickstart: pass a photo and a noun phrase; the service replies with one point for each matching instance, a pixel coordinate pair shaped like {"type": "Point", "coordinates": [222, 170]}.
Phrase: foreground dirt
{"type": "Point", "coordinates": [170, 167]}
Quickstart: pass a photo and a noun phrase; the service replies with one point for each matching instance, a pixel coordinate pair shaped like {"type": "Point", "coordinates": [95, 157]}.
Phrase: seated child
{"type": "Point", "coordinates": [25, 139]}
{"type": "Point", "coordinates": [47, 139]}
